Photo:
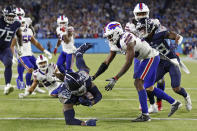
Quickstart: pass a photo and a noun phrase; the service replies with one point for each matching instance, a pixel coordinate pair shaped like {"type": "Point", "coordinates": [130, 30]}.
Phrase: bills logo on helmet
{"type": "Point", "coordinates": [113, 26]}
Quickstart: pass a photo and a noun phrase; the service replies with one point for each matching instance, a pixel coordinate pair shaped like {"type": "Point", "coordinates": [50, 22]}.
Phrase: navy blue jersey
{"type": "Point", "coordinates": [158, 42]}
{"type": "Point", "coordinates": [7, 32]}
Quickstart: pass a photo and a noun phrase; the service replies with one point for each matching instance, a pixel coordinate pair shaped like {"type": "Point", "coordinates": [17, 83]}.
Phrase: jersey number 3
{"type": "Point", "coordinates": [8, 34]}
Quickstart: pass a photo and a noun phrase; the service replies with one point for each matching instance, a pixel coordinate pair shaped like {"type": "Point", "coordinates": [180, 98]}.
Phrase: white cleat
{"type": "Point", "coordinates": [153, 109]}
{"type": "Point", "coordinates": [188, 103]}
{"type": "Point", "coordinates": [39, 90]}
{"type": "Point", "coordinates": [8, 89]}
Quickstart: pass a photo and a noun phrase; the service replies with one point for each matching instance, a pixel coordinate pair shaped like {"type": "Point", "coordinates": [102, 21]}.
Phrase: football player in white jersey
{"type": "Point", "coordinates": [154, 33]}
{"type": "Point", "coordinates": [44, 75]}
{"type": "Point", "coordinates": [21, 13]}
{"type": "Point", "coordinates": [66, 39]}
{"type": "Point", "coordinates": [76, 87]}
{"type": "Point", "coordinates": [27, 58]}
{"type": "Point", "coordinates": [145, 74]}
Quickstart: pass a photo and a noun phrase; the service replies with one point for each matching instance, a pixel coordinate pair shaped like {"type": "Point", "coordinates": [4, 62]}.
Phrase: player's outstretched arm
{"type": "Point", "coordinates": [13, 44]}
{"type": "Point", "coordinates": [59, 75]}
{"type": "Point", "coordinates": [20, 37]}
{"type": "Point", "coordinates": [129, 58]}
{"type": "Point", "coordinates": [174, 36]}
{"type": "Point", "coordinates": [39, 46]}
{"type": "Point", "coordinates": [57, 45]}
{"type": "Point", "coordinates": [103, 67]}
{"type": "Point", "coordinates": [30, 90]}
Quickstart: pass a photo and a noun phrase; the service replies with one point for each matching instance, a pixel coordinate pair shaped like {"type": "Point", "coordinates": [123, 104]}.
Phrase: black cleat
{"type": "Point", "coordinates": [83, 48]}
{"type": "Point", "coordinates": [142, 118]}
{"type": "Point", "coordinates": [174, 108]}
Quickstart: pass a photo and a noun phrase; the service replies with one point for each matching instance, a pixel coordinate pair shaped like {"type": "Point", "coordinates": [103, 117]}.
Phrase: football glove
{"type": "Point", "coordinates": [55, 51]}
{"type": "Point", "coordinates": [111, 84]}
{"type": "Point", "coordinates": [91, 122]}
{"type": "Point", "coordinates": [48, 53]}
{"type": "Point", "coordinates": [85, 102]}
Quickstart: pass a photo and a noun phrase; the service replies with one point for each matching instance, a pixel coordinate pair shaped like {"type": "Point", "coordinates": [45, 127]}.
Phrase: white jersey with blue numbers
{"type": "Point", "coordinates": [48, 79]}
{"type": "Point", "coordinates": [131, 26]}
{"type": "Point", "coordinates": [69, 48]}
{"type": "Point", "coordinates": [142, 49]}
{"type": "Point", "coordinates": [27, 34]}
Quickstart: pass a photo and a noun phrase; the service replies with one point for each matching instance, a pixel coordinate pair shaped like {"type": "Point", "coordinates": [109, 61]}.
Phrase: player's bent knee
{"type": "Point", "coordinates": [176, 89]}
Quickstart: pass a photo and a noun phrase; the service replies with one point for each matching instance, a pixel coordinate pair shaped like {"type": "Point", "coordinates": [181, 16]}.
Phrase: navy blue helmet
{"type": "Point", "coordinates": [75, 84]}
{"type": "Point", "coordinates": [9, 14]}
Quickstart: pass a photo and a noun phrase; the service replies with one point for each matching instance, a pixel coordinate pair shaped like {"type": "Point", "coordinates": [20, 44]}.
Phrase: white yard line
{"type": "Point", "coordinates": [43, 118]}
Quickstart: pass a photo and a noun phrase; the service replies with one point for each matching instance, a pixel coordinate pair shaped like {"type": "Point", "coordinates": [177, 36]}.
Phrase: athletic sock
{"type": "Point", "coordinates": [162, 95]}
{"type": "Point", "coordinates": [143, 101]}
{"type": "Point", "coordinates": [28, 79]}
{"type": "Point", "coordinates": [20, 70]}
{"type": "Point", "coordinates": [162, 87]}
{"type": "Point", "coordinates": [151, 97]}
{"type": "Point", "coordinates": [182, 92]}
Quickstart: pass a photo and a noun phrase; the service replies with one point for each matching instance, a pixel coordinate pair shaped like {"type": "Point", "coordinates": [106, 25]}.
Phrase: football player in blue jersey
{"type": "Point", "coordinates": [169, 62]}
{"type": "Point", "coordinates": [8, 28]}
{"type": "Point", "coordinates": [76, 89]}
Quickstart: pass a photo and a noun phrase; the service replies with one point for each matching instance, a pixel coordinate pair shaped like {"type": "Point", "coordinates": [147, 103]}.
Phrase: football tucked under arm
{"type": "Point", "coordinates": [94, 95]}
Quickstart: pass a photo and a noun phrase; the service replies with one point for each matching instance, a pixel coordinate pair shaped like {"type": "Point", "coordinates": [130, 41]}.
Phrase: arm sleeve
{"type": "Point", "coordinates": [103, 67]}
{"type": "Point", "coordinates": [96, 93]}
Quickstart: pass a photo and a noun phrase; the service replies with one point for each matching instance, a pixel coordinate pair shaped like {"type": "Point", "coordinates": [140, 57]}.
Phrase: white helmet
{"type": "Point", "coordinates": [22, 21]}
{"type": "Point", "coordinates": [62, 21]}
{"type": "Point", "coordinates": [20, 12]}
{"type": "Point", "coordinates": [142, 9]}
{"type": "Point", "coordinates": [42, 63]}
{"type": "Point", "coordinates": [112, 31]}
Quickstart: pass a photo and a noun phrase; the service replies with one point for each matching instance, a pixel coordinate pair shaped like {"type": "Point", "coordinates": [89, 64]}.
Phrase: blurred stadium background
{"type": "Point", "coordinates": [118, 107]}
{"type": "Point", "coordinates": [88, 17]}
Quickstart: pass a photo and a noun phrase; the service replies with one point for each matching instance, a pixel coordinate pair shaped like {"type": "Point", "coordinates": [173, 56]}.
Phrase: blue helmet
{"type": "Point", "coordinates": [9, 14]}
{"type": "Point", "coordinates": [75, 84]}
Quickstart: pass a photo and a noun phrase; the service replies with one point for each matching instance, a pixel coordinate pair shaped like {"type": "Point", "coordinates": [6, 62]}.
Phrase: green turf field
{"type": "Point", "coordinates": [114, 112]}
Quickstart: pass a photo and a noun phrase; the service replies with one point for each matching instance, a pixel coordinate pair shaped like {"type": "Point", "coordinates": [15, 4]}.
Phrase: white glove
{"type": "Point", "coordinates": [180, 39]}
{"type": "Point", "coordinates": [22, 95]}
{"type": "Point", "coordinates": [14, 60]}
{"type": "Point", "coordinates": [48, 54]}
{"type": "Point", "coordinates": [174, 61]}
{"type": "Point", "coordinates": [20, 49]}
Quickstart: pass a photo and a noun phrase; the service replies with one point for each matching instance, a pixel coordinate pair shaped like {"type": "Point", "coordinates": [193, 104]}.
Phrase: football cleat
{"type": "Point", "coordinates": [8, 89]}
{"type": "Point", "coordinates": [174, 108]}
{"type": "Point", "coordinates": [153, 108]}
{"type": "Point", "coordinates": [159, 104]}
{"type": "Point", "coordinates": [142, 118]}
{"type": "Point", "coordinates": [39, 90]}
{"type": "Point", "coordinates": [188, 103]}
{"type": "Point", "coordinates": [20, 84]}
{"type": "Point", "coordinates": [83, 48]}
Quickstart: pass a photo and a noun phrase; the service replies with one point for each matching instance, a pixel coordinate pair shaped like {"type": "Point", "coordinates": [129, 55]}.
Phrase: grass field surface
{"type": "Point", "coordinates": [114, 112]}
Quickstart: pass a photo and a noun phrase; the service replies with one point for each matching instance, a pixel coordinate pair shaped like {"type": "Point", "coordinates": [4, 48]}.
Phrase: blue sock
{"type": "Point", "coordinates": [160, 85]}
{"type": "Point", "coordinates": [28, 79]}
{"type": "Point", "coordinates": [80, 63]}
{"type": "Point", "coordinates": [182, 92]}
{"type": "Point", "coordinates": [62, 69]}
{"type": "Point", "coordinates": [69, 116]}
{"type": "Point", "coordinates": [162, 95]}
{"type": "Point", "coordinates": [20, 70]}
{"type": "Point", "coordinates": [143, 101]}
